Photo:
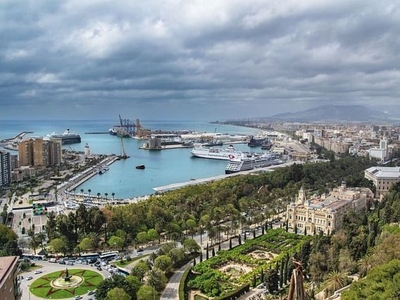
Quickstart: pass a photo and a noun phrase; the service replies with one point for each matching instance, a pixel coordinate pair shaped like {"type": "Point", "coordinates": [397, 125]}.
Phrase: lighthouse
{"type": "Point", "coordinates": [87, 151]}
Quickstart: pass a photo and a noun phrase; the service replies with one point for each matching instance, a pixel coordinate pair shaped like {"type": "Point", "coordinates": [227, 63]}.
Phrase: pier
{"type": "Point", "coordinates": [17, 137]}
{"type": "Point", "coordinates": [97, 132]}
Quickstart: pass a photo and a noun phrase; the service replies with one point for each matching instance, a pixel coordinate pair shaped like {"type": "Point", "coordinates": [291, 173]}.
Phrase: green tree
{"type": "Point", "coordinates": [190, 245]}
{"type": "Point", "coordinates": [8, 241]}
{"type": "Point", "coordinates": [157, 279]}
{"type": "Point", "coordinates": [163, 262]}
{"type": "Point", "coordinates": [335, 281]}
{"type": "Point", "coordinates": [116, 242]}
{"type": "Point", "coordinates": [141, 237]}
{"type": "Point", "coordinates": [152, 235]}
{"type": "Point", "coordinates": [147, 292]}
{"type": "Point", "coordinates": [86, 244]}
{"type": "Point", "coordinates": [58, 245]}
{"type": "Point", "coordinates": [140, 269]}
{"type": "Point", "coordinates": [117, 294]}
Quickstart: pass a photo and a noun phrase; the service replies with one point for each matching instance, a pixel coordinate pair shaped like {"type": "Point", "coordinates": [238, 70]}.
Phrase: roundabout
{"type": "Point", "coordinates": [66, 283]}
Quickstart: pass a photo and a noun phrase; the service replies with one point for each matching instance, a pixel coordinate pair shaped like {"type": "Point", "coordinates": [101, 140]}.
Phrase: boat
{"type": "Point", "coordinates": [119, 131]}
{"type": "Point", "coordinates": [256, 141]}
{"type": "Point", "coordinates": [216, 153]}
{"type": "Point", "coordinates": [267, 145]}
{"type": "Point", "coordinates": [214, 144]}
{"type": "Point", "coordinates": [103, 170]}
{"type": "Point", "coordinates": [68, 137]}
{"type": "Point", "coordinates": [140, 167]}
{"type": "Point", "coordinates": [247, 163]}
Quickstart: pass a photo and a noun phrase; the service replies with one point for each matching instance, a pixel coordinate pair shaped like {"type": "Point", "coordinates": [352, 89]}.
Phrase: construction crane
{"type": "Point", "coordinates": [123, 156]}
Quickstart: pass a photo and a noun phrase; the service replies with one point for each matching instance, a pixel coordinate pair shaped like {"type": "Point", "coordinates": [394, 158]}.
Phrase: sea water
{"type": "Point", "coordinates": [123, 179]}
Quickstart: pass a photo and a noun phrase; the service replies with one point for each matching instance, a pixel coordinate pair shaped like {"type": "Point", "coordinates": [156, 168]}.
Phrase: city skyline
{"type": "Point", "coordinates": [206, 60]}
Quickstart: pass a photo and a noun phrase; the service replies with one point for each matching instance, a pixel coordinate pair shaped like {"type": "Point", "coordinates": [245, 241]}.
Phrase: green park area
{"type": "Point", "coordinates": [66, 283]}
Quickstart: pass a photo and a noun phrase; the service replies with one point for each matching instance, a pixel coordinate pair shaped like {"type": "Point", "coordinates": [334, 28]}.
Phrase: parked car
{"type": "Point", "coordinates": [29, 278]}
{"type": "Point", "coordinates": [38, 271]}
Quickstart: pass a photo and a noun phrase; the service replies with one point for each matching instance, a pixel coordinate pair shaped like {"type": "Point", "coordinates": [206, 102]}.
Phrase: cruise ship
{"type": "Point", "coordinates": [66, 138]}
{"type": "Point", "coordinates": [216, 153]}
{"type": "Point", "coordinates": [246, 163]}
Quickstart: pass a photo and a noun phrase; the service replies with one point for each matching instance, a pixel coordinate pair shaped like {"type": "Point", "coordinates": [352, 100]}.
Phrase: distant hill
{"type": "Point", "coordinates": [328, 113]}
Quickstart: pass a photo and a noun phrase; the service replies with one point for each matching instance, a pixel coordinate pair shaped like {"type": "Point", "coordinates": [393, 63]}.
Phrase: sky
{"type": "Point", "coordinates": [195, 59]}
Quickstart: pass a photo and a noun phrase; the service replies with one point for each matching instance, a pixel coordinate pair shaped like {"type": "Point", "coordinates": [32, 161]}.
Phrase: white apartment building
{"type": "Point", "coordinates": [325, 213]}
{"type": "Point", "coordinates": [383, 178]}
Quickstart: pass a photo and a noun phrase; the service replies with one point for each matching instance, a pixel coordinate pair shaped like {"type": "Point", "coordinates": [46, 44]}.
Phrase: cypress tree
{"type": "Point", "coordinates": [194, 262]}
{"type": "Point", "coordinates": [240, 239]}
{"type": "Point", "coordinates": [201, 257]}
{"type": "Point", "coordinates": [230, 243]}
{"type": "Point", "coordinates": [281, 275]}
{"type": "Point", "coordinates": [213, 252]}
{"type": "Point", "coordinates": [219, 247]}
{"type": "Point", "coordinates": [254, 233]}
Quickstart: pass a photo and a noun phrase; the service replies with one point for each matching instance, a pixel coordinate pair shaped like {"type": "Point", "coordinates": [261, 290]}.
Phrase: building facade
{"type": "Point", "coordinates": [383, 178]}
{"type": "Point", "coordinates": [5, 168]}
{"type": "Point", "coordinates": [38, 152]}
{"type": "Point", "coordinates": [9, 285]}
{"type": "Point", "coordinates": [325, 213]}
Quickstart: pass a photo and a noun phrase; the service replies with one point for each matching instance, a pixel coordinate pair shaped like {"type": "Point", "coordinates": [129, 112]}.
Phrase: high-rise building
{"type": "Point", "coordinates": [5, 168]}
{"type": "Point", "coordinates": [39, 152]}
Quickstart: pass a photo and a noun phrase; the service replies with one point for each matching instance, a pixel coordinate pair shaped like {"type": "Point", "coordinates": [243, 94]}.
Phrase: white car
{"type": "Point", "coordinates": [38, 271]}
{"type": "Point", "coordinates": [29, 278]}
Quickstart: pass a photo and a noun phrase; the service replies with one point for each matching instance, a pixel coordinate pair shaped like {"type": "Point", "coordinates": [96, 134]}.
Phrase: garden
{"type": "Point", "coordinates": [245, 264]}
{"type": "Point", "coordinates": [66, 283]}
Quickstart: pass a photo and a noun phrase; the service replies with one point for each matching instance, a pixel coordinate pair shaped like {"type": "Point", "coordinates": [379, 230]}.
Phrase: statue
{"type": "Point", "coordinates": [67, 277]}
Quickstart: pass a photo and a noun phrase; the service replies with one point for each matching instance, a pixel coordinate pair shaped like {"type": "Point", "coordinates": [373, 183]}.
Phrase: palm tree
{"type": "Point", "coordinates": [335, 280]}
{"type": "Point", "coordinates": [89, 191]}
{"type": "Point", "coordinates": [98, 195]}
{"type": "Point", "coordinates": [82, 190]}
{"type": "Point", "coordinates": [106, 195]}
{"type": "Point", "coordinates": [113, 194]}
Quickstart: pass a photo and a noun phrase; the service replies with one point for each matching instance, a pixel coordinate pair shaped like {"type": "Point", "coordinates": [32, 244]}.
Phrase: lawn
{"type": "Point", "coordinates": [42, 287]}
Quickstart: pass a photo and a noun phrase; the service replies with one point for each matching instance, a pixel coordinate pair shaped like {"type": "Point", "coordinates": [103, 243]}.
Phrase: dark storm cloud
{"type": "Point", "coordinates": [214, 59]}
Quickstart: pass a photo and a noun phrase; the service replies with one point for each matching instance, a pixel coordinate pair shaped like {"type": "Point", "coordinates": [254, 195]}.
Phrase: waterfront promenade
{"type": "Point", "coordinates": [194, 181]}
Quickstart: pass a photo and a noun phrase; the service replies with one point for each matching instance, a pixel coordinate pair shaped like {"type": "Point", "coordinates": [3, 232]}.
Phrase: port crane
{"type": "Point", "coordinates": [127, 127]}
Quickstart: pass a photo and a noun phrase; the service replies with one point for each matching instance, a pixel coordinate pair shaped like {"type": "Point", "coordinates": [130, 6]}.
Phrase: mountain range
{"type": "Point", "coordinates": [333, 113]}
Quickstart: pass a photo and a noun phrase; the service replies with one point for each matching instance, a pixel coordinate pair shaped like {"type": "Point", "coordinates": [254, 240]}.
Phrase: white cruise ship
{"type": "Point", "coordinates": [216, 153]}
{"type": "Point", "coordinates": [245, 163]}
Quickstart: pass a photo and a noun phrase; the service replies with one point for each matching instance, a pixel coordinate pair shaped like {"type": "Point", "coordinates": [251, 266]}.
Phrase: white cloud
{"type": "Point", "coordinates": [255, 53]}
